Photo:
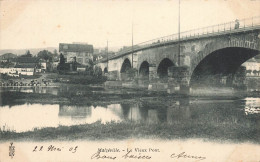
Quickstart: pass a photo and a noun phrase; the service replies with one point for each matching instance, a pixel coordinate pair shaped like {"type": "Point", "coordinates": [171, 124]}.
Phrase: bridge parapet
{"type": "Point", "coordinates": [219, 29]}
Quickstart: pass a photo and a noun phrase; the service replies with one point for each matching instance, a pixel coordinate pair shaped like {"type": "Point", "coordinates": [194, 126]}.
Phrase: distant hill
{"type": "Point", "coordinates": [33, 51]}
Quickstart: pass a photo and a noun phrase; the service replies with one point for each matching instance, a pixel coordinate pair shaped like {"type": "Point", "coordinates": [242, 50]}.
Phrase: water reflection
{"type": "Point", "coordinates": [74, 112]}
{"type": "Point", "coordinates": [252, 106]}
{"type": "Point", "coordinates": [27, 117]}
{"type": "Point", "coordinates": [67, 90]}
{"type": "Point", "coordinates": [40, 90]}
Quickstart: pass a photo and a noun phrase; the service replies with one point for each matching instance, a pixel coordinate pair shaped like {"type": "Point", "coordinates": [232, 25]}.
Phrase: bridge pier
{"type": "Point", "coordinates": [152, 72]}
{"type": "Point", "coordinates": [239, 79]}
{"type": "Point", "coordinates": [178, 79]}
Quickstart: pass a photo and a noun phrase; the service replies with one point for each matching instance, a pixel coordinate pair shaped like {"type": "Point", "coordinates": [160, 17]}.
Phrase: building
{"type": "Point", "coordinates": [26, 65]}
{"type": "Point", "coordinates": [43, 66]}
{"type": "Point", "coordinates": [81, 68]}
{"type": "Point", "coordinates": [102, 54]}
{"type": "Point", "coordinates": [83, 53]}
{"type": "Point", "coordinates": [252, 67]}
{"type": "Point", "coordinates": [27, 60]}
{"type": "Point", "coordinates": [55, 65]}
{"type": "Point", "coordinates": [99, 57]}
{"type": "Point", "coordinates": [25, 69]}
{"type": "Point", "coordinates": [8, 70]}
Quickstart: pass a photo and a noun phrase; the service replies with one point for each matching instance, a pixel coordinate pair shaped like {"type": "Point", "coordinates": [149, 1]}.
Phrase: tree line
{"type": "Point", "coordinates": [44, 54]}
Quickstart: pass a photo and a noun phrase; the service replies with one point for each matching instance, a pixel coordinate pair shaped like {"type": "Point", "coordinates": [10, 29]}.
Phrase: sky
{"type": "Point", "coordinates": [46, 23]}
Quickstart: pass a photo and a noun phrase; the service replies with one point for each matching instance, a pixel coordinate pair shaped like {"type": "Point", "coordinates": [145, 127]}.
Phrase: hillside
{"type": "Point", "coordinates": [7, 56]}
{"type": "Point", "coordinates": [33, 51]}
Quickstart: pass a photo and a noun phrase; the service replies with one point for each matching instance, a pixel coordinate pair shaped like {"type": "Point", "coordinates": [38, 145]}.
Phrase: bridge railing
{"type": "Point", "coordinates": [225, 27]}
{"type": "Point", "coordinates": [231, 26]}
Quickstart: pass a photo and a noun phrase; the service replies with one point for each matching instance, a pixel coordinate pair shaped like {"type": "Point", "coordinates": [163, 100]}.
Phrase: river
{"type": "Point", "coordinates": [30, 116]}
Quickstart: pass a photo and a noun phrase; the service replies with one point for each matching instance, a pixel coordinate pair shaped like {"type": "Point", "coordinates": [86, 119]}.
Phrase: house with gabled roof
{"type": "Point", "coordinates": [8, 57]}
{"type": "Point", "coordinates": [25, 69]}
{"type": "Point", "coordinates": [26, 65]}
{"type": "Point", "coordinates": [83, 53]}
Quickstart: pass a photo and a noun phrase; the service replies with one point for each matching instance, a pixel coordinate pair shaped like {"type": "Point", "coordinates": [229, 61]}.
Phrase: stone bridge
{"type": "Point", "coordinates": [218, 49]}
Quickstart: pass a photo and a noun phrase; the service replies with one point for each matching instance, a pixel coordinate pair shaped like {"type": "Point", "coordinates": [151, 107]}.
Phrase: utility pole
{"type": "Point", "coordinates": [132, 46]}
{"type": "Point", "coordinates": [107, 55]}
{"type": "Point", "coordinates": [179, 37]}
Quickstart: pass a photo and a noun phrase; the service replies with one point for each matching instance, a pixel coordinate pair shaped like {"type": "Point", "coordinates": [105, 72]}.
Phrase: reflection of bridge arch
{"type": "Point", "coordinates": [144, 69]}
{"type": "Point", "coordinates": [162, 70]}
{"type": "Point", "coordinates": [125, 66]}
{"type": "Point", "coordinates": [221, 62]}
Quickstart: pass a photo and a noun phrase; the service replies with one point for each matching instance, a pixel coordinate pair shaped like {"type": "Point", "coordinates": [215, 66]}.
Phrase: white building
{"type": "Point", "coordinates": [25, 69]}
{"type": "Point", "coordinates": [10, 70]}
{"type": "Point", "coordinates": [252, 67]}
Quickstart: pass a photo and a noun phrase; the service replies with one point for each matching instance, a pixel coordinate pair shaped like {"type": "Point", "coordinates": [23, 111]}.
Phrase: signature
{"type": "Point", "coordinates": [184, 155]}
{"type": "Point", "coordinates": [129, 155]}
{"type": "Point", "coordinates": [98, 155]}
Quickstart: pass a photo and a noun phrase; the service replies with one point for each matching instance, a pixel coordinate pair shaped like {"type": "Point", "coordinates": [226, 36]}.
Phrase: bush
{"type": "Point", "coordinates": [253, 83]}
{"type": "Point", "coordinates": [6, 77]}
{"type": "Point", "coordinates": [77, 78]}
{"type": "Point", "coordinates": [87, 79]}
{"type": "Point", "coordinates": [97, 71]}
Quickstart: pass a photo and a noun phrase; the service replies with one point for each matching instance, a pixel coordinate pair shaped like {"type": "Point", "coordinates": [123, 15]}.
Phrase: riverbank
{"type": "Point", "coordinates": [220, 132]}
{"type": "Point", "coordinates": [76, 78]}
{"type": "Point", "coordinates": [94, 96]}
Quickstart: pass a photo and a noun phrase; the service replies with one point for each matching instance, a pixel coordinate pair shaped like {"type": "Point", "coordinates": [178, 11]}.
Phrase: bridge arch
{"type": "Point", "coordinates": [105, 70]}
{"type": "Point", "coordinates": [222, 62]}
{"type": "Point", "coordinates": [125, 66]}
{"type": "Point", "coordinates": [162, 70]}
{"type": "Point", "coordinates": [144, 70]}
{"type": "Point", "coordinates": [248, 41]}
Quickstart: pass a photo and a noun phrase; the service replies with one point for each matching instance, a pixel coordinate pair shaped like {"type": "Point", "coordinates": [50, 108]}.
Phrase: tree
{"type": "Point", "coordinates": [55, 53]}
{"type": "Point", "coordinates": [90, 67]}
{"type": "Point", "coordinates": [91, 63]}
{"type": "Point", "coordinates": [97, 71]}
{"type": "Point", "coordinates": [27, 54]}
{"type": "Point", "coordinates": [61, 65]}
{"type": "Point", "coordinates": [94, 57]}
{"type": "Point", "coordinates": [46, 55]}
{"type": "Point", "coordinates": [6, 64]}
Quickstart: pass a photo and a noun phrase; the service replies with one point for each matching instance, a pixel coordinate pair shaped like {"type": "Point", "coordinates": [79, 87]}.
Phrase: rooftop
{"type": "Point", "coordinates": [27, 60]}
{"type": "Point", "coordinates": [7, 56]}
{"type": "Point", "coordinates": [81, 66]}
{"type": "Point", "coordinates": [64, 47]}
{"type": "Point", "coordinates": [25, 66]}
